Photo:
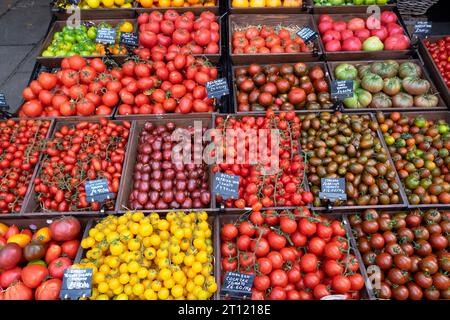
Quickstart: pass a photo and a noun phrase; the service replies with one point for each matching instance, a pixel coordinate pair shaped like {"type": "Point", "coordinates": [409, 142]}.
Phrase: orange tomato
{"type": "Point", "coordinates": [3, 229]}
{"type": "Point", "coordinates": [147, 3]}
{"type": "Point", "coordinates": [43, 235]}
{"type": "Point", "coordinates": [21, 239]}
{"type": "Point", "coordinates": [177, 3]}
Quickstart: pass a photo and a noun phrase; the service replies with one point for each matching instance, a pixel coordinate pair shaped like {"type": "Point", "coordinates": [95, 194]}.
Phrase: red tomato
{"type": "Point", "coordinates": [308, 262]}
{"type": "Point", "coordinates": [70, 248]}
{"type": "Point", "coordinates": [264, 265]}
{"type": "Point", "coordinates": [48, 290]}
{"type": "Point", "coordinates": [57, 267]}
{"type": "Point", "coordinates": [33, 275]}
{"type": "Point", "coordinates": [278, 278]}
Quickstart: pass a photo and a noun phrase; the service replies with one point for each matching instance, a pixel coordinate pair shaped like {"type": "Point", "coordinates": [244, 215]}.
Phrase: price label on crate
{"type": "Point", "coordinates": [332, 189]}
{"type": "Point", "coordinates": [307, 34]}
{"type": "Point", "coordinates": [237, 285]}
{"type": "Point", "coordinates": [226, 185]}
{"type": "Point", "coordinates": [217, 88]}
{"type": "Point", "coordinates": [97, 190]}
{"type": "Point", "coordinates": [341, 89]}
{"type": "Point", "coordinates": [77, 283]}
{"type": "Point", "coordinates": [422, 28]}
{"type": "Point", "coordinates": [106, 36]}
{"type": "Point", "coordinates": [129, 39]}
{"type": "Point", "coordinates": [3, 104]}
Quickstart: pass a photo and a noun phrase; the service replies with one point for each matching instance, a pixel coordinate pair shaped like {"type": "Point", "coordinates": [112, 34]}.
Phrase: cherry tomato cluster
{"type": "Point", "coordinates": [33, 261]}
{"type": "Point", "coordinates": [20, 143]}
{"type": "Point", "coordinates": [293, 255]}
{"type": "Point", "coordinates": [409, 252]}
{"type": "Point", "coordinates": [85, 151]}
{"type": "Point", "coordinates": [268, 182]}
{"type": "Point", "coordinates": [185, 34]}
{"type": "Point", "coordinates": [168, 84]}
{"type": "Point", "coordinates": [440, 52]}
{"type": "Point", "coordinates": [81, 88]}
{"type": "Point", "coordinates": [268, 39]}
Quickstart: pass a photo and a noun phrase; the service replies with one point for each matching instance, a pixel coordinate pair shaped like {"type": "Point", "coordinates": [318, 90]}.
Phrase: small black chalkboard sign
{"type": "Point", "coordinates": [129, 39]}
{"type": "Point", "coordinates": [226, 185]}
{"type": "Point", "coordinates": [217, 88]}
{"type": "Point", "coordinates": [341, 89]}
{"type": "Point", "coordinates": [3, 103]}
{"type": "Point", "coordinates": [332, 189]}
{"type": "Point", "coordinates": [237, 285]}
{"type": "Point", "coordinates": [77, 283]}
{"type": "Point", "coordinates": [307, 34]}
{"type": "Point", "coordinates": [97, 190]}
{"type": "Point", "coordinates": [422, 28]}
{"type": "Point", "coordinates": [106, 36]}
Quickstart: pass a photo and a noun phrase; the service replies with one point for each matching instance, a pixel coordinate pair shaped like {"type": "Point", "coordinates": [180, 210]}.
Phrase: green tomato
{"type": "Point", "coordinates": [420, 122]}
{"type": "Point", "coordinates": [382, 2]}
{"type": "Point", "coordinates": [358, 2]}
{"type": "Point", "coordinates": [67, 29]}
{"type": "Point", "coordinates": [426, 183]}
{"type": "Point", "coordinates": [369, 2]}
{"type": "Point", "coordinates": [47, 53]}
{"type": "Point", "coordinates": [86, 53]}
{"type": "Point", "coordinates": [443, 128]}
{"type": "Point", "coordinates": [337, 2]}
{"type": "Point", "coordinates": [390, 140]}
{"type": "Point", "coordinates": [38, 262]}
{"type": "Point", "coordinates": [92, 33]}
{"type": "Point", "coordinates": [71, 53]}
{"type": "Point", "coordinates": [346, 71]}
{"type": "Point", "coordinates": [69, 38]}
{"type": "Point", "coordinates": [412, 182]}
{"type": "Point", "coordinates": [443, 152]}
{"type": "Point", "coordinates": [61, 53]}
{"type": "Point", "coordinates": [104, 25]}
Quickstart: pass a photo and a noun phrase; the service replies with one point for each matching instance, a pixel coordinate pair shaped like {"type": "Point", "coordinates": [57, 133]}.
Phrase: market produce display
{"type": "Point", "coordinates": [440, 53]}
{"type": "Point", "coordinates": [266, 3]}
{"type": "Point", "coordinates": [82, 41]}
{"type": "Point", "coordinates": [282, 87]}
{"type": "Point", "coordinates": [347, 146]}
{"type": "Point", "coordinates": [121, 162]}
{"type": "Point", "coordinates": [409, 249]}
{"type": "Point", "coordinates": [349, 2]}
{"type": "Point", "coordinates": [270, 182]}
{"type": "Point", "coordinates": [169, 83]}
{"type": "Point", "coordinates": [20, 142]}
{"type": "Point", "coordinates": [362, 34]}
{"type": "Point", "coordinates": [80, 88]}
{"type": "Point", "coordinates": [387, 84]}
{"type": "Point", "coordinates": [420, 150]}
{"type": "Point", "coordinates": [293, 255]}
{"type": "Point", "coordinates": [180, 33]}
{"type": "Point", "coordinates": [151, 257]}
{"type": "Point", "coordinates": [75, 154]}
{"type": "Point", "coordinates": [265, 39]}
{"type": "Point", "coordinates": [33, 261]}
{"type": "Point", "coordinates": [161, 181]}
